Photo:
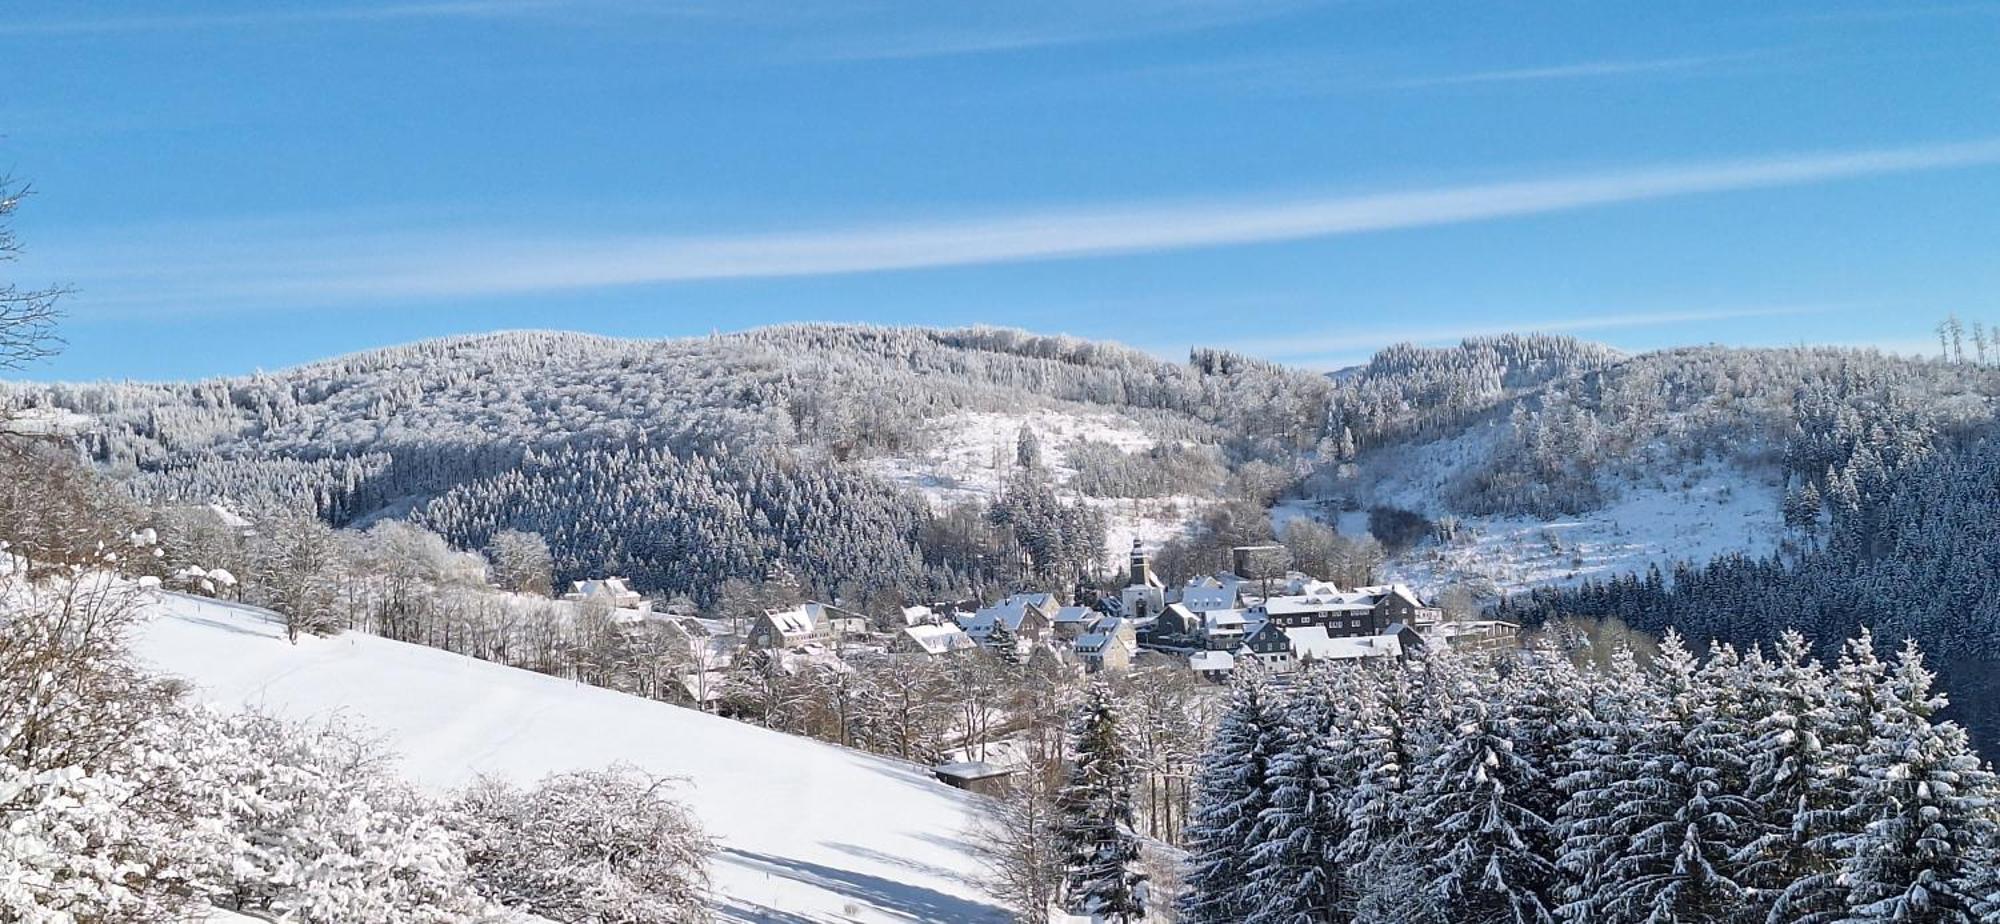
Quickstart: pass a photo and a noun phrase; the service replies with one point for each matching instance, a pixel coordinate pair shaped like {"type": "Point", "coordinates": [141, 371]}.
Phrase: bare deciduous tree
{"type": "Point", "coordinates": [27, 315]}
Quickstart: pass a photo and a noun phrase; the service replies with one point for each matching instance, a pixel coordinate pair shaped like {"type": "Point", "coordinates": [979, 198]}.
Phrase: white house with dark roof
{"type": "Point", "coordinates": [1026, 616]}
{"type": "Point", "coordinates": [611, 591]}
{"type": "Point", "coordinates": [1207, 593]}
{"type": "Point", "coordinates": [936, 640]}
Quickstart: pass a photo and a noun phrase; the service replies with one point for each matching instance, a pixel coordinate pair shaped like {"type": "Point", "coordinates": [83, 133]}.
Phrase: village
{"type": "Point", "coordinates": [1211, 624]}
{"type": "Point", "coordinates": [1258, 611]}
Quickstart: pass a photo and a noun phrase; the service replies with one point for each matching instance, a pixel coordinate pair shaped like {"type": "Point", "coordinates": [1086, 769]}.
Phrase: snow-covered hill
{"type": "Point", "coordinates": [970, 455]}
{"type": "Point", "coordinates": [805, 832]}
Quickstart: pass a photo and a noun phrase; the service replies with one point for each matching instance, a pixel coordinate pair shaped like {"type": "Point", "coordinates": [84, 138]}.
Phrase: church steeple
{"type": "Point", "coordinates": [1142, 565]}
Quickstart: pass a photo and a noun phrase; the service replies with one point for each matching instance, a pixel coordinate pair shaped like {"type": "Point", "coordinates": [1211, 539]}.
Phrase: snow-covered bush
{"type": "Point", "coordinates": [599, 846]}
{"type": "Point", "coordinates": [312, 827]}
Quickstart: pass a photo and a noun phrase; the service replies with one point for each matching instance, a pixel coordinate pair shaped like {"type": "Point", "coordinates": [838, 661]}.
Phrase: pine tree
{"type": "Point", "coordinates": [1796, 779]}
{"type": "Point", "coordinates": [1604, 754]}
{"type": "Point", "coordinates": [1925, 854]}
{"type": "Point", "coordinates": [1233, 789]}
{"type": "Point", "coordinates": [1099, 850]}
{"type": "Point", "coordinates": [1297, 839]}
{"type": "Point", "coordinates": [1681, 811]}
{"type": "Point", "coordinates": [1492, 856]}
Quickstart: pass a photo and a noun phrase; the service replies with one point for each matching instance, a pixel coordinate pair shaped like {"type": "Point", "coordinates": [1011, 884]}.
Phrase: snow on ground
{"type": "Point", "coordinates": [806, 832]}
{"type": "Point", "coordinates": [1657, 517]}
{"type": "Point", "coordinates": [1712, 511]}
{"type": "Point", "coordinates": [970, 455]}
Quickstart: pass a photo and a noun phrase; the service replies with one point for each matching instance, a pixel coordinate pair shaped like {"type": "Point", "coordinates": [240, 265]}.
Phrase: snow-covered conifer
{"type": "Point", "coordinates": [1099, 850]}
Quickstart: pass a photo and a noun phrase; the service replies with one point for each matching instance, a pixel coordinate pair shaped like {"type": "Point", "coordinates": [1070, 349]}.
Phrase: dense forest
{"type": "Point", "coordinates": [1756, 785]}
{"type": "Point", "coordinates": [686, 463]}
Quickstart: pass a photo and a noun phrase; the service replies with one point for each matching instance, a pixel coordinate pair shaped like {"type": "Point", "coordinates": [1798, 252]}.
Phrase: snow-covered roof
{"type": "Point", "coordinates": [1298, 584]}
{"type": "Point", "coordinates": [970, 770]}
{"type": "Point", "coordinates": [1073, 614]}
{"type": "Point", "coordinates": [1008, 612]}
{"type": "Point", "coordinates": [1097, 642]}
{"type": "Point", "coordinates": [1217, 592]}
{"type": "Point", "coordinates": [799, 620]}
{"type": "Point", "coordinates": [601, 587]}
{"type": "Point", "coordinates": [1313, 642]}
{"type": "Point", "coordinates": [1319, 603]}
{"type": "Point", "coordinates": [1378, 591]}
{"type": "Point", "coordinates": [917, 615]}
{"type": "Point", "coordinates": [940, 639]}
{"type": "Point", "coordinates": [1225, 620]}
{"type": "Point", "coordinates": [1212, 661]}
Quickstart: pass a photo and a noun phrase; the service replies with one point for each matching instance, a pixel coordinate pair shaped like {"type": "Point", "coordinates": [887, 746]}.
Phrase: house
{"type": "Point", "coordinates": [1360, 612]}
{"type": "Point", "coordinates": [1314, 643]}
{"type": "Point", "coordinates": [1072, 621]}
{"type": "Point", "coordinates": [807, 622]}
{"type": "Point", "coordinates": [1225, 630]}
{"type": "Point", "coordinates": [610, 591]}
{"type": "Point", "coordinates": [974, 776]}
{"type": "Point", "coordinates": [1110, 644]}
{"type": "Point", "coordinates": [1110, 650]}
{"type": "Point", "coordinates": [920, 616]}
{"type": "Point", "coordinates": [1472, 635]}
{"type": "Point", "coordinates": [1025, 616]}
{"type": "Point", "coordinates": [1398, 603]}
{"type": "Point", "coordinates": [1176, 627]}
{"type": "Point", "coordinates": [1212, 592]}
{"type": "Point", "coordinates": [1270, 645]}
{"type": "Point", "coordinates": [1213, 666]}
{"type": "Point", "coordinates": [1144, 594]}
{"type": "Point", "coordinates": [936, 640]}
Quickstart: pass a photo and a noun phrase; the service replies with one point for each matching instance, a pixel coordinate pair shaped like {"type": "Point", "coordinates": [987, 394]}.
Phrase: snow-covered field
{"type": "Point", "coordinates": [1710, 510]}
{"type": "Point", "coordinates": [806, 832]}
{"type": "Point", "coordinates": [970, 455]}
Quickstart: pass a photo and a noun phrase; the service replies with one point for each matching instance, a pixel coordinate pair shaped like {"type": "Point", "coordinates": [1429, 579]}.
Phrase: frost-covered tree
{"type": "Point", "coordinates": [1492, 856]}
{"type": "Point", "coordinates": [1232, 792]}
{"type": "Point", "coordinates": [1296, 843]}
{"type": "Point", "coordinates": [1018, 845]}
{"type": "Point", "coordinates": [1926, 850]}
{"type": "Point", "coordinates": [604, 846]}
{"type": "Point", "coordinates": [1098, 849]}
{"type": "Point", "coordinates": [521, 562]}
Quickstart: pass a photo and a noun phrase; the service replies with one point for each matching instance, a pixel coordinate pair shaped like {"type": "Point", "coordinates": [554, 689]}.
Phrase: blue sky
{"type": "Point", "coordinates": [244, 185]}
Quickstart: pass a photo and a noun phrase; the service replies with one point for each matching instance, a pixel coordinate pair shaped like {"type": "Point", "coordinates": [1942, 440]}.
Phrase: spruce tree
{"type": "Point", "coordinates": [1100, 851]}
{"type": "Point", "coordinates": [1233, 789]}
{"type": "Point", "coordinates": [1597, 762]}
{"type": "Point", "coordinates": [1798, 782]}
{"type": "Point", "coordinates": [1924, 855]}
{"type": "Point", "coordinates": [1298, 838]}
{"type": "Point", "coordinates": [1680, 816]}
{"type": "Point", "coordinates": [1492, 857]}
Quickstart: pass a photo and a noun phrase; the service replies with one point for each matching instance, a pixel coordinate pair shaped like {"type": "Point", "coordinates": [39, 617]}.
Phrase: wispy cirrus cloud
{"type": "Point", "coordinates": [1584, 70]}
{"type": "Point", "coordinates": [273, 15]}
{"type": "Point", "coordinates": [996, 28]}
{"type": "Point", "coordinates": [1347, 344]}
{"type": "Point", "coordinates": [353, 263]}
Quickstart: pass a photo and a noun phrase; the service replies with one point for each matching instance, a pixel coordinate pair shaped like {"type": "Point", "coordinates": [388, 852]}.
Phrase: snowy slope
{"type": "Point", "coordinates": [971, 454]}
{"type": "Point", "coordinates": [805, 831]}
{"type": "Point", "coordinates": [1655, 513]}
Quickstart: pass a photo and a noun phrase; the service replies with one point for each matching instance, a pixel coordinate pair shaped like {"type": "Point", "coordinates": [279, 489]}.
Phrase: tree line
{"type": "Point", "coordinates": [1754, 785]}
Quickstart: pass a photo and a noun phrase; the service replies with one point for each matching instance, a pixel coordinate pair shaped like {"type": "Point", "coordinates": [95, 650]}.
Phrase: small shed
{"type": "Point", "coordinates": [974, 776]}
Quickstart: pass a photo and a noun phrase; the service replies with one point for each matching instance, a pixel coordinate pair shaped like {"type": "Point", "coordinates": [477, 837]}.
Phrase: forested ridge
{"type": "Point", "coordinates": [688, 462]}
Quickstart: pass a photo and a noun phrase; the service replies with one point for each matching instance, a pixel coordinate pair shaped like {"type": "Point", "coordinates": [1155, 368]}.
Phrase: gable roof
{"type": "Point", "coordinates": [799, 620]}
{"type": "Point", "coordinates": [1212, 661]}
{"type": "Point", "coordinates": [1313, 642]}
{"type": "Point", "coordinates": [1074, 614]}
{"type": "Point", "coordinates": [940, 639]}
